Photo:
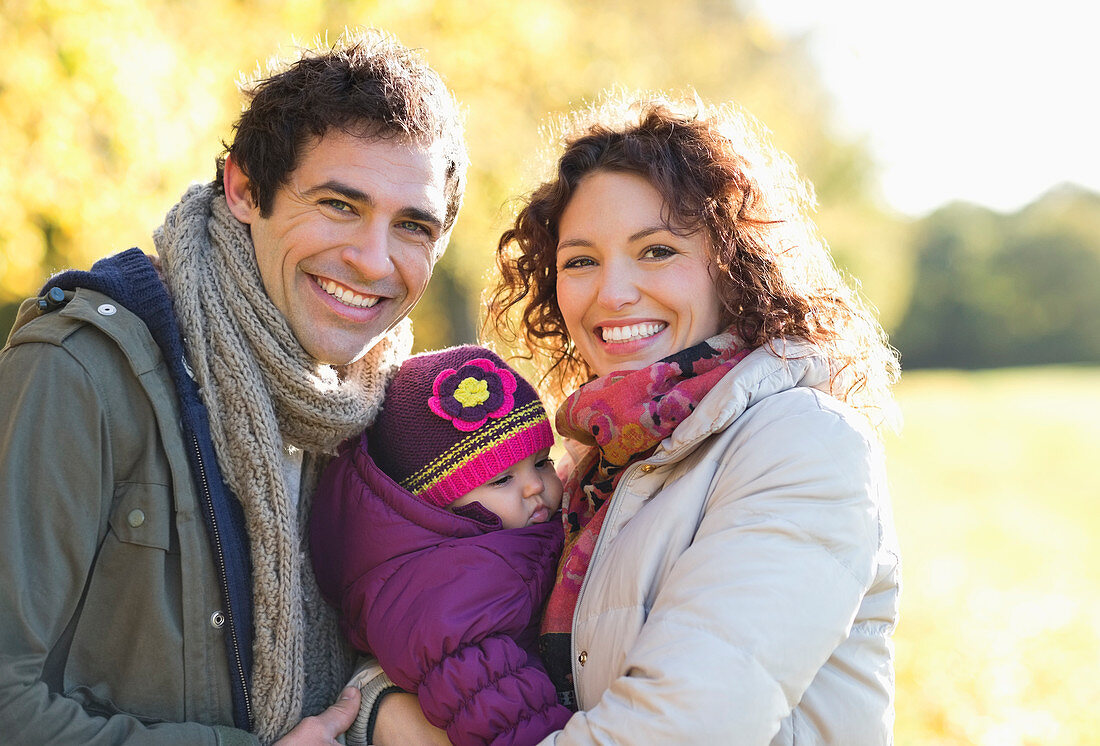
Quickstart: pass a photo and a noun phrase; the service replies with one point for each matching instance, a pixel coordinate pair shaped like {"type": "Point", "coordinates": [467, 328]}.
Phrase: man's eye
{"type": "Point", "coordinates": [337, 204]}
{"type": "Point", "coordinates": [414, 227]}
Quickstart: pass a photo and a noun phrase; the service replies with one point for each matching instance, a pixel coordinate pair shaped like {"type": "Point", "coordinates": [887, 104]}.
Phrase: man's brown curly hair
{"type": "Point", "coordinates": [366, 84]}
{"type": "Point", "coordinates": [719, 173]}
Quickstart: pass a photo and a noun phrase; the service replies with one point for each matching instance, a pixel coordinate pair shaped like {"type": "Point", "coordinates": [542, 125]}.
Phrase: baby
{"type": "Point", "coordinates": [436, 535]}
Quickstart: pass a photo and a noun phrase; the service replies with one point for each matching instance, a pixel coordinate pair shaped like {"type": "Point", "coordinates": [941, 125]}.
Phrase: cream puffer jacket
{"type": "Point", "coordinates": [744, 588]}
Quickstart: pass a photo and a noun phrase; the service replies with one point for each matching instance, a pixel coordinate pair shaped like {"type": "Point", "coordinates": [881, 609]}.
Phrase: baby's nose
{"type": "Point", "coordinates": [532, 486]}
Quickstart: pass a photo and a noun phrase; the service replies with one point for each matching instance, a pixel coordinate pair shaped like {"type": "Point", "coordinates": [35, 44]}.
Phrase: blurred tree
{"type": "Point", "coordinates": [109, 109]}
{"type": "Point", "coordinates": [994, 290]}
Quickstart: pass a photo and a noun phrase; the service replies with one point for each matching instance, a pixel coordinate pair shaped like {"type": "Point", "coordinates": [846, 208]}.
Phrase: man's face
{"type": "Point", "coordinates": [349, 246]}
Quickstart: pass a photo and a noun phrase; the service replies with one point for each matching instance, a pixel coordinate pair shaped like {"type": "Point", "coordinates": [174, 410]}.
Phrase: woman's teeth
{"type": "Point", "coordinates": [630, 333]}
{"type": "Point", "coordinates": [345, 296]}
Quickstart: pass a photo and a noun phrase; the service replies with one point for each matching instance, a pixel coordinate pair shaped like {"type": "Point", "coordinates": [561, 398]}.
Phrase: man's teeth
{"type": "Point", "coordinates": [346, 296]}
{"type": "Point", "coordinates": [630, 333]}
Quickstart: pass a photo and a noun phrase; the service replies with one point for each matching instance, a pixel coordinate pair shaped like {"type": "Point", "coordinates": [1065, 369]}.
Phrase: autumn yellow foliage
{"type": "Point", "coordinates": [109, 109]}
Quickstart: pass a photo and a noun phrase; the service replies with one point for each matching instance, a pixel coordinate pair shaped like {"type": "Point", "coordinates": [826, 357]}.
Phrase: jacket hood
{"type": "Point", "coordinates": [355, 497]}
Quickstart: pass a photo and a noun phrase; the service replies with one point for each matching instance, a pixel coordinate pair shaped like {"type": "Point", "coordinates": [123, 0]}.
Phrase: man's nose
{"type": "Point", "coordinates": [368, 251]}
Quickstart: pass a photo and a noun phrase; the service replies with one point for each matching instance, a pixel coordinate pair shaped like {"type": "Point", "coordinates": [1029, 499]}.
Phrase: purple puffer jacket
{"type": "Point", "coordinates": [449, 604]}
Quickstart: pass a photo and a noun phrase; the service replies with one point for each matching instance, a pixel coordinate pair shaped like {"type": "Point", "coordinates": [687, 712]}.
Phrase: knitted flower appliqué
{"type": "Point", "coordinates": [469, 396]}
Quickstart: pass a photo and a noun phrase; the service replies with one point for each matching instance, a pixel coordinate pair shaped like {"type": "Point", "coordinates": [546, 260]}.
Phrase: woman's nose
{"type": "Point", "coordinates": [618, 288]}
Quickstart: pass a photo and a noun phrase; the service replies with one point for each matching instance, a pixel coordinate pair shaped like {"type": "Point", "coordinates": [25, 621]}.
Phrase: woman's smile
{"type": "Point", "coordinates": [631, 332]}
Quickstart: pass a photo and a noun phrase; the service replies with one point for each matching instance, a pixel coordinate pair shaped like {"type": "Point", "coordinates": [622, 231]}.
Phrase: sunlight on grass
{"type": "Point", "coordinates": [994, 480]}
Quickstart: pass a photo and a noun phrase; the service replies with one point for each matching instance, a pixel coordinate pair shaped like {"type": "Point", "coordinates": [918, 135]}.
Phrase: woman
{"type": "Point", "coordinates": [730, 571]}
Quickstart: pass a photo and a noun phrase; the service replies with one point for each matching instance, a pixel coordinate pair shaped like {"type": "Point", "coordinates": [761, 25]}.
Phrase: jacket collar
{"type": "Point", "coordinates": [766, 371]}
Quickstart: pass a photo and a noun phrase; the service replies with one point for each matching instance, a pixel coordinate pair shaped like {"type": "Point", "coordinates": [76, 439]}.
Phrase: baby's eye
{"type": "Point", "coordinates": [501, 481]}
{"type": "Point", "coordinates": [543, 463]}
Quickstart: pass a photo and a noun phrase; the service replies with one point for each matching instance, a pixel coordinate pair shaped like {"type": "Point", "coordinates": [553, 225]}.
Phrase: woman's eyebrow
{"type": "Point", "coordinates": [570, 243]}
{"type": "Point", "coordinates": [644, 232]}
{"type": "Point", "coordinates": [636, 236]}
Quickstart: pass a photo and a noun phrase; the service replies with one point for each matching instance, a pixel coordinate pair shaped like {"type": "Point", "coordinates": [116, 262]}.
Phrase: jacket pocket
{"type": "Point", "coordinates": [142, 515]}
{"type": "Point", "coordinates": [127, 650]}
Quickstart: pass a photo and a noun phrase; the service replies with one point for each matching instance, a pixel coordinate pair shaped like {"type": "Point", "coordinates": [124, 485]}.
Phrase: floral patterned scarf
{"type": "Point", "coordinates": [625, 416]}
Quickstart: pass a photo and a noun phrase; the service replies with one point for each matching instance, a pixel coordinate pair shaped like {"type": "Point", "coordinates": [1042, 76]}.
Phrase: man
{"type": "Point", "coordinates": [159, 419]}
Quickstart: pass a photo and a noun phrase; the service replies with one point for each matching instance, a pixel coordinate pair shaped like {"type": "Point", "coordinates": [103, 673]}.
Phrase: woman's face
{"type": "Point", "coordinates": [630, 290]}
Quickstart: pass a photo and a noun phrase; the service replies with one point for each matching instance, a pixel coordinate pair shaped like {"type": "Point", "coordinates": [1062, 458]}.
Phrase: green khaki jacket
{"type": "Point", "coordinates": [110, 620]}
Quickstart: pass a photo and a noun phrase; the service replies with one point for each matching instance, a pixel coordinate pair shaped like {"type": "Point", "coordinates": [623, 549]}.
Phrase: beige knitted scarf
{"type": "Point", "coordinates": [263, 391]}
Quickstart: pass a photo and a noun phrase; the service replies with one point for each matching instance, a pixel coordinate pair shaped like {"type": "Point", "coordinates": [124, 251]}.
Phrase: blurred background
{"type": "Point", "coordinates": [953, 147]}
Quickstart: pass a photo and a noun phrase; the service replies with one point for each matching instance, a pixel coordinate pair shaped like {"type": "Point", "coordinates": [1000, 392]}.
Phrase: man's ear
{"type": "Point", "coordinates": [237, 193]}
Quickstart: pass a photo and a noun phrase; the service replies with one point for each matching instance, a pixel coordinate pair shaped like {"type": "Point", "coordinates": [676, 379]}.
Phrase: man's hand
{"type": "Point", "coordinates": [324, 728]}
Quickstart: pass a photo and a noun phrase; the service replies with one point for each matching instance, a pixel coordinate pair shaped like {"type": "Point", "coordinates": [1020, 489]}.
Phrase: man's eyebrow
{"type": "Point", "coordinates": [424, 216]}
{"type": "Point", "coordinates": [345, 190]}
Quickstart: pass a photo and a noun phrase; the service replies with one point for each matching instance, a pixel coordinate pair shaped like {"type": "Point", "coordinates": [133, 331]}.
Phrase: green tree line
{"type": "Point", "coordinates": [109, 109]}
{"type": "Point", "coordinates": [993, 290]}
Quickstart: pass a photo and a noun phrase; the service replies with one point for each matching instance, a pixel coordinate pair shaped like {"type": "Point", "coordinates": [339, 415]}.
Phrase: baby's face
{"type": "Point", "coordinates": [527, 493]}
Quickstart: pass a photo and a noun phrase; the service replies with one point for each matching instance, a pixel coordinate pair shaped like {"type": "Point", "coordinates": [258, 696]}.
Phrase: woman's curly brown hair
{"type": "Point", "coordinates": [718, 172]}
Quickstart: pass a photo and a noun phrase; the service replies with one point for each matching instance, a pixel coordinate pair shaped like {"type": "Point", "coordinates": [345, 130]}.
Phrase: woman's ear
{"type": "Point", "coordinates": [238, 194]}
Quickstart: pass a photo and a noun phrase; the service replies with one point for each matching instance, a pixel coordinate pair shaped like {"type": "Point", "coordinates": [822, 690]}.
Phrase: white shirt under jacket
{"type": "Point", "coordinates": [744, 588]}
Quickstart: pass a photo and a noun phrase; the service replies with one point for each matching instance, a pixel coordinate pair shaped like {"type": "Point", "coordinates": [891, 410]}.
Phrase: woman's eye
{"type": "Point", "coordinates": [659, 251]}
{"type": "Point", "coordinates": [580, 261]}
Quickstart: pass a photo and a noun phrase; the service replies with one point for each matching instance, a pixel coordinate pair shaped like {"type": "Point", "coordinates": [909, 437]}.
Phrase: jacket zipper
{"type": "Point", "coordinates": [220, 557]}
{"type": "Point", "coordinates": [600, 540]}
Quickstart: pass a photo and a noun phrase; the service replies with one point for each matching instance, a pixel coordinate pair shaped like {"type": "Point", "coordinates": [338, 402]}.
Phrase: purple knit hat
{"type": "Point", "coordinates": [454, 419]}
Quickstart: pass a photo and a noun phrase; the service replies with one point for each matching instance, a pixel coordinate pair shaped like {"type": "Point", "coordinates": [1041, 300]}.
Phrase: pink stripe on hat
{"type": "Point", "coordinates": [478, 470]}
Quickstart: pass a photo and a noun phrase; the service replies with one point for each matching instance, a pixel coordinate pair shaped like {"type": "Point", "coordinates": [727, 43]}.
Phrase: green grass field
{"type": "Point", "coordinates": [997, 501]}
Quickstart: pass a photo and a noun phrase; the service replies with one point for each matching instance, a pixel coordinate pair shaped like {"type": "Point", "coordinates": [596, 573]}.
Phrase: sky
{"type": "Point", "coordinates": [991, 103]}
